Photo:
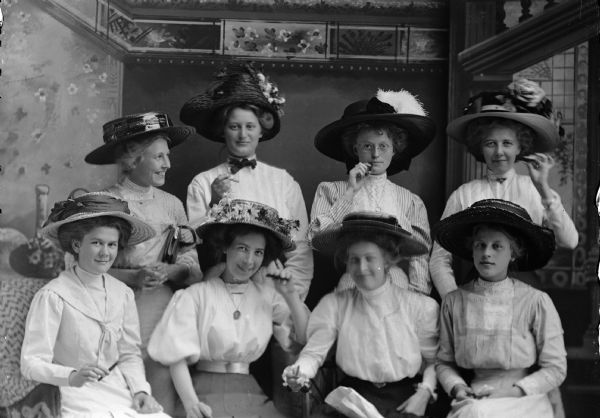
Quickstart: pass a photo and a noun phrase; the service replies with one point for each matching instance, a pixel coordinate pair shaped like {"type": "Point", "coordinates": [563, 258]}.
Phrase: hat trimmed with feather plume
{"type": "Point", "coordinates": [400, 108]}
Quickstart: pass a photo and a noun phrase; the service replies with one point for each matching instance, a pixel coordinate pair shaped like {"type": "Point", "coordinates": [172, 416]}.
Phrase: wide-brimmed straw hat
{"type": "Point", "coordinates": [375, 222]}
{"type": "Point", "coordinates": [93, 205]}
{"type": "Point", "coordinates": [235, 84]}
{"type": "Point", "coordinates": [400, 108]}
{"type": "Point", "coordinates": [131, 127]}
{"type": "Point", "coordinates": [453, 232]}
{"type": "Point", "coordinates": [245, 212]}
{"type": "Point", "coordinates": [523, 101]}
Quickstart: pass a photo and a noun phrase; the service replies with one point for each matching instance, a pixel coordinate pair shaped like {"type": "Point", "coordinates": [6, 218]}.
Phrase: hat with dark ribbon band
{"type": "Point", "coordinates": [132, 127]}
{"type": "Point", "coordinates": [237, 84]}
{"type": "Point", "coordinates": [375, 222]}
{"type": "Point", "coordinates": [453, 232]}
{"type": "Point", "coordinates": [400, 108]}
{"type": "Point", "coordinates": [237, 211]}
{"type": "Point", "coordinates": [523, 101]}
{"type": "Point", "coordinates": [93, 205]}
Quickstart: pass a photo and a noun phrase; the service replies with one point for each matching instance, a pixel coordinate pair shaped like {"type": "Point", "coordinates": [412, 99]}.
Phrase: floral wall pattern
{"type": "Point", "coordinates": [57, 90]}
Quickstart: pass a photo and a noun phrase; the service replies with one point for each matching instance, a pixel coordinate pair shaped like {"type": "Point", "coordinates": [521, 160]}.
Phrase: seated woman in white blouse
{"type": "Point", "coordinates": [220, 326]}
{"type": "Point", "coordinates": [501, 128]}
{"type": "Point", "coordinates": [377, 138]}
{"type": "Point", "coordinates": [386, 336]}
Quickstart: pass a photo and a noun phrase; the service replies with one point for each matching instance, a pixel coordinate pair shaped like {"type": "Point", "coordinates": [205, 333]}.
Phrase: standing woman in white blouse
{"type": "Point", "coordinates": [240, 109]}
{"type": "Point", "coordinates": [501, 128]}
{"type": "Point", "coordinates": [377, 138]}
{"type": "Point", "coordinates": [386, 336]}
{"type": "Point", "coordinates": [140, 145]}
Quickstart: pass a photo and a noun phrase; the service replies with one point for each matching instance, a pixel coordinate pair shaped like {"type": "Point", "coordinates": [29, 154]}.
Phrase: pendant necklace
{"type": "Point", "coordinates": [236, 313]}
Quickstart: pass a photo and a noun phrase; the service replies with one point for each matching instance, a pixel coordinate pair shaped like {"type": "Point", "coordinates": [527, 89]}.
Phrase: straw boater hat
{"type": "Point", "coordinates": [93, 205]}
{"type": "Point", "coordinates": [236, 84]}
{"type": "Point", "coordinates": [400, 108]}
{"type": "Point", "coordinates": [131, 127]}
{"type": "Point", "coordinates": [326, 240]}
{"type": "Point", "coordinates": [453, 232]}
{"type": "Point", "coordinates": [238, 211]}
{"type": "Point", "coordinates": [523, 101]}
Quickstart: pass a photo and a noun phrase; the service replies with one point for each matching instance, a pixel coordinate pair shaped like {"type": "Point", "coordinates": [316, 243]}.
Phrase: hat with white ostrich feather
{"type": "Point", "coordinates": [399, 108]}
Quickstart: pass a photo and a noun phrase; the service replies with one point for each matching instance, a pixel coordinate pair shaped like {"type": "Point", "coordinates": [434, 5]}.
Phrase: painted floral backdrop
{"type": "Point", "coordinates": [57, 90]}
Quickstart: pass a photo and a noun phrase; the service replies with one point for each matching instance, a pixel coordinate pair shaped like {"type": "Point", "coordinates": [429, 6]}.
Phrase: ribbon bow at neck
{"type": "Point", "coordinates": [494, 177]}
{"type": "Point", "coordinates": [237, 164]}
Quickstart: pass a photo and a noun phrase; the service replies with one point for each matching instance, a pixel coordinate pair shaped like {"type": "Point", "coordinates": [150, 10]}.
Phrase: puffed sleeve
{"type": "Point", "coordinates": [198, 199]}
{"type": "Point", "coordinates": [322, 332]}
{"type": "Point", "coordinates": [418, 267]}
{"type": "Point", "coordinates": [189, 257]}
{"type": "Point", "coordinates": [446, 369]}
{"type": "Point", "coordinates": [300, 260]}
{"type": "Point", "coordinates": [550, 345]}
{"type": "Point", "coordinates": [428, 329]}
{"type": "Point", "coordinates": [329, 206]}
{"type": "Point", "coordinates": [176, 336]}
{"type": "Point", "coordinates": [440, 263]}
{"type": "Point", "coordinates": [130, 358]}
{"type": "Point", "coordinates": [41, 330]}
{"type": "Point", "coordinates": [283, 325]}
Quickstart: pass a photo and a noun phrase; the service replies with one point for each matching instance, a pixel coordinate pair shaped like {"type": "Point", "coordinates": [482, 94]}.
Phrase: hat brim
{"type": "Point", "coordinates": [326, 240]}
{"type": "Point", "coordinates": [421, 132]}
{"type": "Point", "coordinates": [546, 139]}
{"type": "Point", "coordinates": [199, 112]}
{"type": "Point", "coordinates": [105, 154]}
{"type": "Point", "coordinates": [209, 228]}
{"type": "Point", "coordinates": [453, 232]}
{"type": "Point", "coordinates": [140, 230]}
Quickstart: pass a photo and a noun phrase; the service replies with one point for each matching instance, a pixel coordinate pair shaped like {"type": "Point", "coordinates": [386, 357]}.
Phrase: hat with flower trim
{"type": "Point", "coordinates": [523, 101]}
{"type": "Point", "coordinates": [400, 108]}
{"type": "Point", "coordinates": [236, 84]}
{"type": "Point", "coordinates": [93, 205]}
{"type": "Point", "coordinates": [135, 126]}
{"type": "Point", "coordinates": [238, 211]}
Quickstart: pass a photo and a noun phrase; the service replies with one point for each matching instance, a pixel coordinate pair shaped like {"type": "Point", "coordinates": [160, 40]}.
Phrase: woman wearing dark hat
{"type": "Point", "coordinates": [496, 326]}
{"type": "Point", "coordinates": [385, 335]}
{"type": "Point", "coordinates": [500, 129]}
{"type": "Point", "coordinates": [82, 331]}
{"type": "Point", "coordinates": [140, 145]}
{"type": "Point", "coordinates": [377, 138]}
{"type": "Point", "coordinates": [221, 325]}
{"type": "Point", "coordinates": [240, 109]}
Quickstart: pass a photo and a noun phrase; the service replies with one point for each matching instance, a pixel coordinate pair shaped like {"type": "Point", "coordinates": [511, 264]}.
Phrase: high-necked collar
{"type": "Point", "coordinates": [85, 276]}
{"type": "Point", "coordinates": [509, 175]}
{"type": "Point", "coordinates": [485, 287]}
{"type": "Point", "coordinates": [252, 157]}
{"type": "Point", "coordinates": [375, 293]}
{"type": "Point", "coordinates": [135, 191]}
{"type": "Point", "coordinates": [377, 178]}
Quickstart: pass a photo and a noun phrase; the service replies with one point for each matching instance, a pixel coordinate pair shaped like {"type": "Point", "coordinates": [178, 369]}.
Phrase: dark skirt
{"type": "Point", "coordinates": [231, 395]}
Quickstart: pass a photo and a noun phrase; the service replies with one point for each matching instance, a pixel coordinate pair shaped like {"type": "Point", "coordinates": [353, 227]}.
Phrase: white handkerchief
{"type": "Point", "coordinates": [351, 404]}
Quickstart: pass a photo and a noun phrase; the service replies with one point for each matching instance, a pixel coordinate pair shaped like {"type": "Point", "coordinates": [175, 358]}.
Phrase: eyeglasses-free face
{"type": "Point", "coordinates": [375, 148]}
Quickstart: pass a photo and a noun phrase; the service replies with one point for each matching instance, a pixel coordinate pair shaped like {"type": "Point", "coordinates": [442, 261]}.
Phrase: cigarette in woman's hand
{"type": "Point", "coordinates": [110, 369]}
{"type": "Point", "coordinates": [277, 277]}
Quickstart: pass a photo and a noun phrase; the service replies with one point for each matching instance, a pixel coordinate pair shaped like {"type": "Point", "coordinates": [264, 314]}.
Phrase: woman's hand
{"type": "Point", "coordinates": [293, 379]}
{"type": "Point", "coordinates": [539, 166]}
{"type": "Point", "coordinates": [145, 404]}
{"type": "Point", "coordinates": [282, 279]}
{"type": "Point", "coordinates": [417, 403]}
{"type": "Point", "coordinates": [219, 187]}
{"type": "Point", "coordinates": [198, 409]}
{"type": "Point", "coordinates": [357, 175]}
{"type": "Point", "coordinates": [461, 392]}
{"type": "Point", "coordinates": [152, 275]}
{"type": "Point", "coordinates": [87, 373]}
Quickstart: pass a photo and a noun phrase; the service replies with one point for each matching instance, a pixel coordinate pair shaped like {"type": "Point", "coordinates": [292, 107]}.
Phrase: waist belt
{"type": "Point", "coordinates": [216, 366]}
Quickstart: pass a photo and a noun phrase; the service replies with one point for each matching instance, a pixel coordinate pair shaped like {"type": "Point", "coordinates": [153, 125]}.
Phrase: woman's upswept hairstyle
{"type": "Point", "coordinates": [391, 247]}
{"type": "Point", "coordinates": [75, 231]}
{"type": "Point", "coordinates": [480, 127]}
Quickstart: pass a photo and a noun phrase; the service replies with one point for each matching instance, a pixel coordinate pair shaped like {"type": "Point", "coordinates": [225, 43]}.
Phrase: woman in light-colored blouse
{"type": "Point", "coordinates": [240, 109]}
{"type": "Point", "coordinates": [212, 331]}
{"type": "Point", "coordinates": [495, 325]}
{"type": "Point", "coordinates": [377, 138]}
{"type": "Point", "coordinates": [386, 336]}
{"type": "Point", "coordinates": [140, 145]}
{"type": "Point", "coordinates": [82, 331]}
{"type": "Point", "coordinates": [500, 129]}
